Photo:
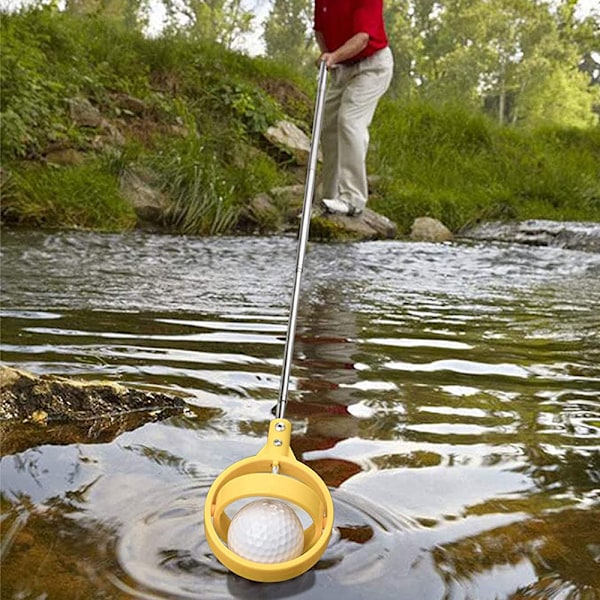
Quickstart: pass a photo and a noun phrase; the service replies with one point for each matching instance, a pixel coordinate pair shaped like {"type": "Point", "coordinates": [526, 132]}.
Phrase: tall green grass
{"type": "Point", "coordinates": [460, 167]}
{"type": "Point", "coordinates": [82, 196]}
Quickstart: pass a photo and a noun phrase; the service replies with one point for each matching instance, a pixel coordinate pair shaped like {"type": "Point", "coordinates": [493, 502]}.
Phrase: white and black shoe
{"type": "Point", "coordinates": [339, 207]}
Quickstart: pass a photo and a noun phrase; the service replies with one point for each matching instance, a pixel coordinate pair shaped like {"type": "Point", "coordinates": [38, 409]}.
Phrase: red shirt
{"type": "Point", "coordinates": [339, 20]}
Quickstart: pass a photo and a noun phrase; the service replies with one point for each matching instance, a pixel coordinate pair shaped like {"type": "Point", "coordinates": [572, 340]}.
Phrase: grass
{"type": "Point", "coordinates": [460, 167]}
{"type": "Point", "coordinates": [82, 196]}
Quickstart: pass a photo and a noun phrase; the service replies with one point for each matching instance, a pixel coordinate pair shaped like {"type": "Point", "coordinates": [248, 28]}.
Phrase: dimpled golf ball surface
{"type": "Point", "coordinates": [266, 531]}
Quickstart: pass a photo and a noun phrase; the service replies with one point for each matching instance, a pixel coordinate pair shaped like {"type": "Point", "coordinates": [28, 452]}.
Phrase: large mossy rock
{"type": "Point", "coordinates": [369, 225]}
{"type": "Point", "coordinates": [279, 211]}
{"type": "Point", "coordinates": [47, 409]}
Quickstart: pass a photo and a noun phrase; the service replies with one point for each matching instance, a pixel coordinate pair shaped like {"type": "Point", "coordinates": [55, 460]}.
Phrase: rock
{"type": "Point", "coordinates": [290, 194]}
{"type": "Point", "coordinates": [261, 214]}
{"type": "Point", "coordinates": [48, 409]}
{"type": "Point", "coordinates": [112, 136]}
{"type": "Point", "coordinates": [262, 205]}
{"type": "Point", "coordinates": [64, 157]}
{"type": "Point", "coordinates": [130, 104]}
{"type": "Point", "coordinates": [23, 394]}
{"type": "Point", "coordinates": [427, 229]}
{"type": "Point", "coordinates": [291, 138]}
{"type": "Point", "coordinates": [84, 114]}
{"type": "Point", "coordinates": [385, 228]}
{"type": "Point", "coordinates": [148, 203]}
{"type": "Point", "coordinates": [281, 209]}
{"type": "Point", "coordinates": [288, 199]}
{"type": "Point", "coordinates": [179, 131]}
{"type": "Point", "coordinates": [274, 212]}
{"type": "Point", "coordinates": [564, 234]}
{"type": "Point", "coordinates": [369, 225]}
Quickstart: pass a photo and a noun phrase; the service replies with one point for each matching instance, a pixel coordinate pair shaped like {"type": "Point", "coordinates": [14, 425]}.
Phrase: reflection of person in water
{"type": "Point", "coordinates": [325, 340]}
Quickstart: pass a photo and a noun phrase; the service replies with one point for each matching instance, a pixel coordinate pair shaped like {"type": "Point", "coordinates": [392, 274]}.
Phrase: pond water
{"type": "Point", "coordinates": [449, 395]}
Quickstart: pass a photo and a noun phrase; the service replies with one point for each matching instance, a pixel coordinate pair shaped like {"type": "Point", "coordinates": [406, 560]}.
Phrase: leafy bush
{"type": "Point", "coordinates": [30, 96]}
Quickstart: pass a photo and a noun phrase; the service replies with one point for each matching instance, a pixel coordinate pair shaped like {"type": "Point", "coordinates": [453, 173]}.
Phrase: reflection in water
{"type": "Point", "coordinates": [562, 548]}
{"type": "Point", "coordinates": [449, 395]}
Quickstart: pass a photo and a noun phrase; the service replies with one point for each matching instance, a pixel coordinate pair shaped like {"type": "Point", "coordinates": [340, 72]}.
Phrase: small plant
{"type": "Point", "coordinates": [251, 106]}
{"type": "Point", "coordinates": [201, 199]}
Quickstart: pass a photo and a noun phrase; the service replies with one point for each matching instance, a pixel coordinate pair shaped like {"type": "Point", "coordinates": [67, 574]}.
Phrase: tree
{"type": "Point", "coordinates": [402, 22]}
{"type": "Point", "coordinates": [132, 13]}
{"type": "Point", "coordinates": [517, 57]}
{"type": "Point", "coordinates": [220, 21]}
{"type": "Point", "coordinates": [551, 86]}
{"type": "Point", "coordinates": [288, 32]}
{"type": "Point", "coordinates": [560, 96]}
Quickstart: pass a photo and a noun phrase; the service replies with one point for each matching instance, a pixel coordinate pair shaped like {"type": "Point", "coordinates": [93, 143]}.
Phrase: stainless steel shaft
{"type": "Point", "coordinates": [309, 191]}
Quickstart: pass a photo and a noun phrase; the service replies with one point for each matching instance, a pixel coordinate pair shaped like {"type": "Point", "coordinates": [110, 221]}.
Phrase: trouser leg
{"type": "Point", "coordinates": [351, 102]}
{"type": "Point", "coordinates": [329, 135]}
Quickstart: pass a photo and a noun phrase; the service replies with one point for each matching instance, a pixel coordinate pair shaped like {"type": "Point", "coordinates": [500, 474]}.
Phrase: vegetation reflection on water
{"type": "Point", "coordinates": [449, 395]}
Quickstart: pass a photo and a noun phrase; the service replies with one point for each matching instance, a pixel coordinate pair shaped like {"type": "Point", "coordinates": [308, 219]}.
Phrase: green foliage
{"type": "Point", "coordinates": [132, 14]}
{"type": "Point", "coordinates": [217, 21]}
{"type": "Point", "coordinates": [516, 57]}
{"type": "Point", "coordinates": [30, 94]}
{"type": "Point", "coordinates": [562, 98]}
{"type": "Point", "coordinates": [49, 57]}
{"type": "Point", "coordinates": [248, 105]}
{"type": "Point", "coordinates": [201, 199]}
{"type": "Point", "coordinates": [552, 170]}
{"type": "Point", "coordinates": [83, 196]}
{"type": "Point", "coordinates": [206, 189]}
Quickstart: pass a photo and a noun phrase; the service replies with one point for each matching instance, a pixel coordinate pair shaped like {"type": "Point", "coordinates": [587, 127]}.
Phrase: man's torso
{"type": "Point", "coordinates": [339, 20]}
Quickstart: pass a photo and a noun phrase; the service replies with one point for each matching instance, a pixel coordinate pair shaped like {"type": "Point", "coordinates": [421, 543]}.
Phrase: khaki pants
{"type": "Point", "coordinates": [350, 102]}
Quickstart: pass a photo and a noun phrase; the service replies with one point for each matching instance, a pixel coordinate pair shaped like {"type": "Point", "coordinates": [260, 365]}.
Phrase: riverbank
{"type": "Point", "coordinates": [105, 129]}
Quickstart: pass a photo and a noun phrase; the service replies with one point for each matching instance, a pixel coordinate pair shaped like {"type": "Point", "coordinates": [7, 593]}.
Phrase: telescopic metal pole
{"type": "Point", "coordinates": [303, 239]}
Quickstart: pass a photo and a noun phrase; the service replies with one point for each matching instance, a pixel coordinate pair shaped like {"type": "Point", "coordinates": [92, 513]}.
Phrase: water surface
{"type": "Point", "coordinates": [449, 395]}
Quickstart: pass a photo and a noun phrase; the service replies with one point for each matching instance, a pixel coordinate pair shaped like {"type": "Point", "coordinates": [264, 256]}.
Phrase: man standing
{"type": "Point", "coordinates": [353, 43]}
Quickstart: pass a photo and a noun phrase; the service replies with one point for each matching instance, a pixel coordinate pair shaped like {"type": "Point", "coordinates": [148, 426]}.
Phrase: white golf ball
{"type": "Point", "coordinates": [266, 531]}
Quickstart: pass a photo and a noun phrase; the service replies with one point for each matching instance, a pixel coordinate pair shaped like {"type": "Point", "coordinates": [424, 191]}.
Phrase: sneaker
{"type": "Point", "coordinates": [339, 207]}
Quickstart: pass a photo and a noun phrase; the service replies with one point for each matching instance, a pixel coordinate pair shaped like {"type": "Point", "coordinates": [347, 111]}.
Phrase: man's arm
{"type": "Point", "coordinates": [321, 41]}
{"type": "Point", "coordinates": [357, 43]}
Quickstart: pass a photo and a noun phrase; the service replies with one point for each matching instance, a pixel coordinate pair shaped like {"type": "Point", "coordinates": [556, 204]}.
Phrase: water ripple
{"type": "Point", "coordinates": [162, 549]}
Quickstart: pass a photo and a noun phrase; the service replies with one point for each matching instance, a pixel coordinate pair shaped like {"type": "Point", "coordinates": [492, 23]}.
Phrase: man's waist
{"type": "Point", "coordinates": [353, 61]}
{"type": "Point", "coordinates": [362, 56]}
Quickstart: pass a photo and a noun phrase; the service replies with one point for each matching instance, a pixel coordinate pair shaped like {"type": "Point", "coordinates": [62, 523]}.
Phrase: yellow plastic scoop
{"type": "Point", "coordinates": [274, 472]}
